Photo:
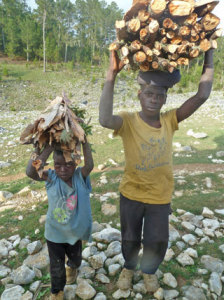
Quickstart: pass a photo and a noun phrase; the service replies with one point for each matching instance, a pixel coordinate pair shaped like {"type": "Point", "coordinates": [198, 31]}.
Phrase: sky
{"type": "Point", "coordinates": [126, 4]}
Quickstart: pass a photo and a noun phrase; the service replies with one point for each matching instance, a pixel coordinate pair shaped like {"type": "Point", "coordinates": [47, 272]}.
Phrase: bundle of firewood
{"type": "Point", "coordinates": [164, 34]}
{"type": "Point", "coordinates": [59, 127]}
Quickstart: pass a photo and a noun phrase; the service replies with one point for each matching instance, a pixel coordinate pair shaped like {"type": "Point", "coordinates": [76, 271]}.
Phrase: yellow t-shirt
{"type": "Point", "coordinates": [148, 174]}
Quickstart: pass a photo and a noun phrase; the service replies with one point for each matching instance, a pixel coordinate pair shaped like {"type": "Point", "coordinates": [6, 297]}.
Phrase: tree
{"type": "Point", "coordinates": [45, 7]}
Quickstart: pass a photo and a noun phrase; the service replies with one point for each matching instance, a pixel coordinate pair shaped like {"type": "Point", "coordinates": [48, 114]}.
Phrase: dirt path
{"type": "Point", "coordinates": [185, 168]}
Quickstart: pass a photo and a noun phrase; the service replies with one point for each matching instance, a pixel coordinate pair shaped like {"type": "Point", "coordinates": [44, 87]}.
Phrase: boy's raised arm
{"type": "Point", "coordinates": [106, 117]}
{"type": "Point", "coordinates": [31, 171]}
{"type": "Point", "coordinates": [88, 159]}
{"type": "Point", "coordinates": [204, 89]}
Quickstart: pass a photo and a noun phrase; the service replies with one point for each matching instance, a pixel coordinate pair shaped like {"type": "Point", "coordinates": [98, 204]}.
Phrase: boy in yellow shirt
{"type": "Point", "coordinates": [147, 185]}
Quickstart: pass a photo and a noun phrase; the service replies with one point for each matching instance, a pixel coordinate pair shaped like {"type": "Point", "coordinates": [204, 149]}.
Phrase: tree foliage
{"type": "Point", "coordinates": [57, 30]}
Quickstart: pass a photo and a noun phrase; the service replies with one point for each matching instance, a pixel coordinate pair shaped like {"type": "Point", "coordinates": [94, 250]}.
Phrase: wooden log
{"type": "Point", "coordinates": [167, 23]}
{"type": "Point", "coordinates": [143, 15]}
{"type": "Point", "coordinates": [115, 45]}
{"type": "Point", "coordinates": [133, 11]}
{"type": "Point", "coordinates": [182, 49]}
{"type": "Point", "coordinates": [194, 32]}
{"type": "Point", "coordinates": [163, 63]}
{"type": "Point", "coordinates": [149, 58]}
{"type": "Point", "coordinates": [214, 44]}
{"type": "Point", "coordinates": [205, 45]}
{"type": "Point", "coordinates": [177, 40]}
{"type": "Point", "coordinates": [158, 45]}
{"type": "Point", "coordinates": [121, 30]}
{"type": "Point", "coordinates": [194, 38]}
{"type": "Point", "coordinates": [147, 50]}
{"type": "Point", "coordinates": [156, 52]}
{"type": "Point", "coordinates": [202, 35]}
{"type": "Point", "coordinates": [183, 61]}
{"type": "Point", "coordinates": [153, 26]}
{"type": "Point", "coordinates": [172, 66]}
{"type": "Point", "coordinates": [144, 34]}
{"type": "Point", "coordinates": [184, 30]}
{"type": "Point", "coordinates": [157, 7]}
{"type": "Point", "coordinates": [135, 46]}
{"type": "Point", "coordinates": [191, 20]}
{"type": "Point", "coordinates": [153, 30]}
{"type": "Point", "coordinates": [180, 8]}
{"type": "Point", "coordinates": [170, 48]}
{"type": "Point", "coordinates": [210, 21]}
{"type": "Point", "coordinates": [202, 7]}
{"type": "Point", "coordinates": [124, 51]}
{"type": "Point", "coordinates": [145, 66]}
{"type": "Point", "coordinates": [216, 34]}
{"type": "Point", "coordinates": [194, 52]}
{"type": "Point", "coordinates": [198, 27]}
{"type": "Point", "coordinates": [155, 65]}
{"type": "Point", "coordinates": [125, 60]}
{"type": "Point", "coordinates": [133, 26]}
{"type": "Point", "coordinates": [139, 57]}
{"type": "Point", "coordinates": [164, 40]}
{"type": "Point", "coordinates": [162, 31]}
{"type": "Point", "coordinates": [174, 26]}
{"type": "Point", "coordinates": [170, 34]}
{"type": "Point", "coordinates": [173, 56]}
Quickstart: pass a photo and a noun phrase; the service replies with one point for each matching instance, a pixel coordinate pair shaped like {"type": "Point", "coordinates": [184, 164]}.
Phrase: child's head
{"type": "Point", "coordinates": [152, 98]}
{"type": "Point", "coordinates": [63, 169]}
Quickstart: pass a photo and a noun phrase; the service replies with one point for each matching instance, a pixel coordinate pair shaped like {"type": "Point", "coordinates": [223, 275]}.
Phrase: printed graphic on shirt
{"type": "Point", "coordinates": [64, 209]}
{"type": "Point", "coordinates": [153, 154]}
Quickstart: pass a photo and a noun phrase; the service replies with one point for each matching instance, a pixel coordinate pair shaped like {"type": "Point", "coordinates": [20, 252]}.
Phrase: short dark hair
{"type": "Point", "coordinates": [57, 153]}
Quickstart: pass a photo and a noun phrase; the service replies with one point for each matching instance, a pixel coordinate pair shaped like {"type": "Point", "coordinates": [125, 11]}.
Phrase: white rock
{"type": "Point", "coordinates": [220, 211]}
{"type": "Point", "coordinates": [191, 252]}
{"type": "Point", "coordinates": [169, 254]}
{"type": "Point", "coordinates": [159, 294]}
{"type": "Point", "coordinates": [100, 296]}
{"type": "Point", "coordinates": [102, 278]}
{"type": "Point", "coordinates": [188, 226]}
{"type": "Point", "coordinates": [208, 182]}
{"type": "Point", "coordinates": [170, 280]}
{"type": "Point", "coordinates": [84, 290]}
{"type": "Point", "coordinates": [210, 223]}
{"type": "Point", "coordinates": [185, 260]}
{"type": "Point", "coordinates": [13, 293]}
{"type": "Point", "coordinates": [207, 213]}
{"type": "Point", "coordinates": [121, 294]}
{"type": "Point", "coordinates": [114, 269]}
{"type": "Point", "coordinates": [189, 239]}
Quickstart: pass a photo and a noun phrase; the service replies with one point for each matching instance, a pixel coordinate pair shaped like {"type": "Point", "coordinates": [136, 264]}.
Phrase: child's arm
{"type": "Point", "coordinates": [32, 172]}
{"type": "Point", "coordinates": [106, 117]}
{"type": "Point", "coordinates": [204, 89]}
{"type": "Point", "coordinates": [88, 159]}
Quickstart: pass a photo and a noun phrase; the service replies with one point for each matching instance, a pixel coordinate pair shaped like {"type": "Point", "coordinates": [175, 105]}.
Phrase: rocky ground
{"type": "Point", "coordinates": [102, 259]}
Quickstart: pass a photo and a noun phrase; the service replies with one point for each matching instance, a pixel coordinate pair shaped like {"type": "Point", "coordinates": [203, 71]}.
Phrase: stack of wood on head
{"type": "Point", "coordinates": [59, 127]}
{"type": "Point", "coordinates": [164, 34]}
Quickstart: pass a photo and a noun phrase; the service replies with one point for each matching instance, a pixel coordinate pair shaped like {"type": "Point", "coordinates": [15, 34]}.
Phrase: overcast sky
{"type": "Point", "coordinates": [126, 4]}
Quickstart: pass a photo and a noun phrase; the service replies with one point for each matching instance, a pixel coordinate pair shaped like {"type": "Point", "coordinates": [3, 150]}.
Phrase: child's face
{"type": "Point", "coordinates": [152, 98]}
{"type": "Point", "coordinates": [64, 169]}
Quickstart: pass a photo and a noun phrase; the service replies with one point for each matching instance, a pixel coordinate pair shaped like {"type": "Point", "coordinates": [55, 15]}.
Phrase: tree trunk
{"type": "Point", "coordinates": [180, 8]}
{"type": "Point", "coordinates": [27, 51]}
{"type": "Point", "coordinates": [66, 52]}
{"type": "Point", "coordinates": [44, 41]}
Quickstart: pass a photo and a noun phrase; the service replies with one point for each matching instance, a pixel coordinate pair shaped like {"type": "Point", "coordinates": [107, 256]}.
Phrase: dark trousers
{"type": "Point", "coordinates": [147, 224]}
{"type": "Point", "coordinates": [57, 252]}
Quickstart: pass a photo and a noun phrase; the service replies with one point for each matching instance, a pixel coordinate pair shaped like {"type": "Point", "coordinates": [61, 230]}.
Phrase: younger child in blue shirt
{"type": "Point", "coordinates": [69, 218]}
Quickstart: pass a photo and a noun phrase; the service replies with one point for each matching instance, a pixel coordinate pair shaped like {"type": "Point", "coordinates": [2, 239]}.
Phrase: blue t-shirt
{"type": "Point", "coordinates": [69, 212]}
